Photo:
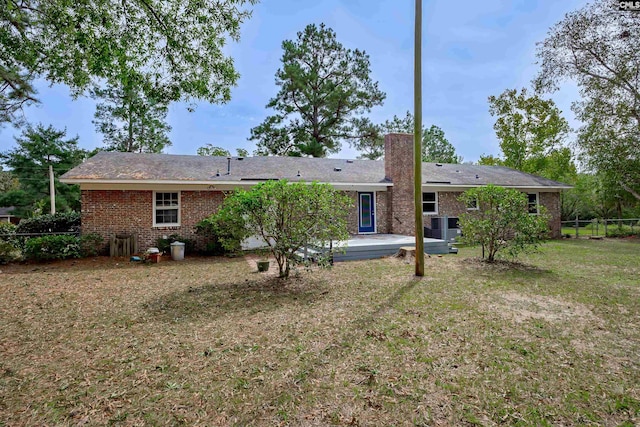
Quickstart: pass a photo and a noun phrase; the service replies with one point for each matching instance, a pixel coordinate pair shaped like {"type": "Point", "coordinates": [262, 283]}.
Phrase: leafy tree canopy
{"type": "Point", "coordinates": [175, 46]}
{"type": "Point", "coordinates": [287, 216]}
{"type": "Point", "coordinates": [435, 146]}
{"type": "Point", "coordinates": [8, 182]}
{"type": "Point", "coordinates": [502, 223]}
{"type": "Point", "coordinates": [211, 150]}
{"type": "Point", "coordinates": [37, 147]}
{"type": "Point", "coordinates": [324, 87]}
{"type": "Point", "coordinates": [597, 47]}
{"type": "Point", "coordinates": [531, 131]}
{"type": "Point", "coordinates": [129, 120]}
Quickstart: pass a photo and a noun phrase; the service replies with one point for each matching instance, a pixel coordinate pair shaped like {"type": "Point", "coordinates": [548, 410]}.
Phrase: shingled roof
{"type": "Point", "coordinates": [157, 168]}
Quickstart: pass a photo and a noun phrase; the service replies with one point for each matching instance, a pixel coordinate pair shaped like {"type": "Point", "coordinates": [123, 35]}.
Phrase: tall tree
{"type": "Point", "coordinates": [597, 47]}
{"type": "Point", "coordinates": [175, 45]}
{"type": "Point", "coordinates": [8, 182]}
{"type": "Point", "coordinates": [323, 88]}
{"type": "Point", "coordinates": [129, 120]}
{"type": "Point", "coordinates": [211, 150]}
{"type": "Point", "coordinates": [531, 131]}
{"type": "Point", "coordinates": [36, 148]}
{"type": "Point", "coordinates": [435, 146]}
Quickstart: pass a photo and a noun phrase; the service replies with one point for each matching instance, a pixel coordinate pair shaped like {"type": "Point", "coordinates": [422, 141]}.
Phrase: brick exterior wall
{"type": "Point", "coordinates": [398, 167]}
{"type": "Point", "coordinates": [111, 212]}
{"type": "Point", "coordinates": [381, 213]}
{"type": "Point", "coordinates": [449, 205]}
{"type": "Point", "coordinates": [551, 201]}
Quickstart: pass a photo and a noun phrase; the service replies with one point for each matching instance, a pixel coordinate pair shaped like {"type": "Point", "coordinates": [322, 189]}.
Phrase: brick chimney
{"type": "Point", "coordinates": [398, 167]}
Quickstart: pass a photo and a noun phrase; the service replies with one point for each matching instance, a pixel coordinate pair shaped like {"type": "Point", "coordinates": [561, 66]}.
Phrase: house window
{"type": "Point", "coordinates": [533, 203]}
{"type": "Point", "coordinates": [430, 203]}
{"type": "Point", "coordinates": [472, 205]}
{"type": "Point", "coordinates": [166, 209]}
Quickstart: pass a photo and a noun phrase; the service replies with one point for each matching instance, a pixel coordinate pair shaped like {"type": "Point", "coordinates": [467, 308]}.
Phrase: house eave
{"type": "Point", "coordinates": [465, 187]}
{"type": "Point", "coordinates": [134, 184]}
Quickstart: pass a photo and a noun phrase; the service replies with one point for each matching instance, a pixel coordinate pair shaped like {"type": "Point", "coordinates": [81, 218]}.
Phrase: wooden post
{"type": "Point", "coordinates": [577, 225]}
{"type": "Point", "coordinates": [417, 140]}
{"type": "Point", "coordinates": [112, 246]}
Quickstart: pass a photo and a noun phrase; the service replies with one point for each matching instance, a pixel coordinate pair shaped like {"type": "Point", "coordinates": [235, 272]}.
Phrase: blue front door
{"type": "Point", "coordinates": [366, 214]}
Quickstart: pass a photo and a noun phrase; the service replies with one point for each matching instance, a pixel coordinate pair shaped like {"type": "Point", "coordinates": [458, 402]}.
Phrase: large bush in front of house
{"type": "Point", "coordinates": [218, 228]}
{"type": "Point", "coordinates": [61, 222]}
{"type": "Point", "coordinates": [502, 223]}
{"type": "Point", "coordinates": [287, 216]}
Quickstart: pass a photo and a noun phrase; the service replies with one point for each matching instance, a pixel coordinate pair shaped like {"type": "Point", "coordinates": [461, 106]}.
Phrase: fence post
{"type": "Point", "coordinates": [577, 225]}
{"type": "Point", "coordinates": [605, 227]}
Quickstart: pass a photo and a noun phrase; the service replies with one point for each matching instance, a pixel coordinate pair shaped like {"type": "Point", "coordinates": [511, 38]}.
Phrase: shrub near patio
{"type": "Point", "coordinates": [501, 222]}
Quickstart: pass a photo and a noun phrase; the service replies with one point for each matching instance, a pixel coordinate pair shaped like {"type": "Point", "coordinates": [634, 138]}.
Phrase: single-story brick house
{"type": "Point", "coordinates": [154, 195]}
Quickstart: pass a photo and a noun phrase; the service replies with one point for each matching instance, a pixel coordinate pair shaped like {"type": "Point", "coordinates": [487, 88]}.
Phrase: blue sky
{"type": "Point", "coordinates": [471, 50]}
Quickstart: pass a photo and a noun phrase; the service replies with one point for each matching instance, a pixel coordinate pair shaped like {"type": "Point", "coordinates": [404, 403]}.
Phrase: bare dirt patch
{"type": "Point", "coordinates": [521, 307]}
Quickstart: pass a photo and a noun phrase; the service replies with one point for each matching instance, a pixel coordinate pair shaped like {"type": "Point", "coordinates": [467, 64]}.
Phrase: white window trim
{"type": "Point", "coordinates": [435, 201]}
{"type": "Point", "coordinates": [177, 224]}
{"type": "Point", "coordinates": [537, 204]}
{"type": "Point", "coordinates": [476, 208]}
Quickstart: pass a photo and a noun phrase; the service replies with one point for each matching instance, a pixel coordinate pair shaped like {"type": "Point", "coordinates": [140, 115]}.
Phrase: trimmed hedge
{"type": "Point", "coordinates": [62, 246]}
{"type": "Point", "coordinates": [47, 248]}
{"type": "Point", "coordinates": [56, 223]}
{"type": "Point", "coordinates": [8, 252]}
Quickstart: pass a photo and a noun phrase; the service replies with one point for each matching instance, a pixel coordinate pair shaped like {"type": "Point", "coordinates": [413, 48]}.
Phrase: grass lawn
{"type": "Point", "coordinates": [584, 231]}
{"type": "Point", "coordinates": [555, 341]}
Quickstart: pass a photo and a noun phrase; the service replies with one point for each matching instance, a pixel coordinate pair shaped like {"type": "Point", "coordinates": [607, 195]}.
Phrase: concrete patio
{"type": "Point", "coordinates": [370, 246]}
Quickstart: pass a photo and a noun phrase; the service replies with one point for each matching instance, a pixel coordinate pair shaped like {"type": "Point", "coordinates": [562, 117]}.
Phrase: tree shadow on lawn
{"type": "Point", "coordinates": [252, 296]}
{"type": "Point", "coordinates": [500, 266]}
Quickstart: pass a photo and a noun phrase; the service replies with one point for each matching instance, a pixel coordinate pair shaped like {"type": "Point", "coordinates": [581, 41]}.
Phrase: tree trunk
{"type": "Point", "coordinates": [629, 189]}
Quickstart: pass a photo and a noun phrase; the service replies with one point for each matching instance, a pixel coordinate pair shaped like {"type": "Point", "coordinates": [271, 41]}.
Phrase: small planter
{"type": "Point", "coordinates": [263, 266]}
{"type": "Point", "coordinates": [154, 258]}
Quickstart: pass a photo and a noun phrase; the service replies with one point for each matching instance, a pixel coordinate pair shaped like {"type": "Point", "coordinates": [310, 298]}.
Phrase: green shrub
{"type": "Point", "coordinates": [8, 252]}
{"type": "Point", "coordinates": [502, 224]}
{"type": "Point", "coordinates": [217, 229]}
{"type": "Point", "coordinates": [164, 245]}
{"type": "Point", "coordinates": [91, 244]}
{"type": "Point", "coordinates": [56, 223]}
{"type": "Point", "coordinates": [7, 228]}
{"type": "Point", "coordinates": [622, 231]}
{"type": "Point", "coordinates": [46, 248]}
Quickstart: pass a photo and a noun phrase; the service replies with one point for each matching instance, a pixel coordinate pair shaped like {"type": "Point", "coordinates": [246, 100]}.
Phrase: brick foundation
{"type": "Point", "coordinates": [111, 212]}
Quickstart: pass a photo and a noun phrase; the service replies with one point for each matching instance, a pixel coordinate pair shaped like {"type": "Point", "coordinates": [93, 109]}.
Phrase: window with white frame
{"type": "Point", "coordinates": [472, 205]}
{"type": "Point", "coordinates": [166, 208]}
{"type": "Point", "coordinates": [430, 203]}
{"type": "Point", "coordinates": [533, 203]}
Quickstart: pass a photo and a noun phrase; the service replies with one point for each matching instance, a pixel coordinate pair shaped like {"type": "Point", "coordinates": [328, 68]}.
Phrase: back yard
{"type": "Point", "coordinates": [210, 342]}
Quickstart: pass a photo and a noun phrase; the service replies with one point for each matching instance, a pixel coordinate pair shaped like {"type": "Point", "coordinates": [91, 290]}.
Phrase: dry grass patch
{"type": "Point", "coordinates": [209, 341]}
